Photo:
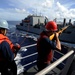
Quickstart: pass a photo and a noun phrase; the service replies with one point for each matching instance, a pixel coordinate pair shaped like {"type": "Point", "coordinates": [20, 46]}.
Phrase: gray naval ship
{"type": "Point", "coordinates": [27, 56]}
{"type": "Point", "coordinates": [36, 24]}
{"type": "Point", "coordinates": [32, 23]}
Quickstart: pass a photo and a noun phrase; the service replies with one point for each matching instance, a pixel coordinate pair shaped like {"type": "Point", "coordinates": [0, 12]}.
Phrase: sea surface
{"type": "Point", "coordinates": [24, 39]}
{"type": "Point", "coordinates": [15, 33]}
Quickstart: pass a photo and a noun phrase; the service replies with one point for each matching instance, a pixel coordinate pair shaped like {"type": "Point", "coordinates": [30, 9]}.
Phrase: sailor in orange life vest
{"type": "Point", "coordinates": [45, 46]}
{"type": "Point", "coordinates": [7, 51]}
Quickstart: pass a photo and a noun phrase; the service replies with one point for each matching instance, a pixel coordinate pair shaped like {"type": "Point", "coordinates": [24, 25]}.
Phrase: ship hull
{"type": "Point", "coordinates": [30, 29]}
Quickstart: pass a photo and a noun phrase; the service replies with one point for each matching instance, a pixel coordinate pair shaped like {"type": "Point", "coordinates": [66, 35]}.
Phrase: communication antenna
{"type": "Point", "coordinates": [36, 11]}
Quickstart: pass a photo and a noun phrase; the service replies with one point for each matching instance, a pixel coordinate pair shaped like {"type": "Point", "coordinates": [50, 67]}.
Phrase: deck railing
{"type": "Point", "coordinates": [28, 46]}
{"type": "Point", "coordinates": [53, 65]}
{"type": "Point", "coordinates": [68, 56]}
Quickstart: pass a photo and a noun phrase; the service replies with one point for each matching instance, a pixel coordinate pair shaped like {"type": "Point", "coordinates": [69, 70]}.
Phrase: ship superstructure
{"type": "Point", "coordinates": [33, 24]}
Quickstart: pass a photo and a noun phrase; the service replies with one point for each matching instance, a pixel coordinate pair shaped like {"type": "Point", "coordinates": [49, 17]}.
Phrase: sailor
{"type": "Point", "coordinates": [45, 46]}
{"type": "Point", "coordinates": [7, 51]}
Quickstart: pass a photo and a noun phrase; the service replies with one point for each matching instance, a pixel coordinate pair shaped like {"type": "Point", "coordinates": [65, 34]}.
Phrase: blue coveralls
{"type": "Point", "coordinates": [7, 60]}
{"type": "Point", "coordinates": [44, 48]}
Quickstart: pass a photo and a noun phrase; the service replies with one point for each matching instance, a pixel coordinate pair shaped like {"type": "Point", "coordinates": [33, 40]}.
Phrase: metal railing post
{"type": "Point", "coordinates": [53, 65]}
{"type": "Point", "coordinates": [68, 63]}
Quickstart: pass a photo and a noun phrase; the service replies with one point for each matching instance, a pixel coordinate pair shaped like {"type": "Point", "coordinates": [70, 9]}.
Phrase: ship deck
{"type": "Point", "coordinates": [33, 71]}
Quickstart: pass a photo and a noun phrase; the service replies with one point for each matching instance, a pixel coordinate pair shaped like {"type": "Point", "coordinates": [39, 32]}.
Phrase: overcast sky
{"type": "Point", "coordinates": [19, 9]}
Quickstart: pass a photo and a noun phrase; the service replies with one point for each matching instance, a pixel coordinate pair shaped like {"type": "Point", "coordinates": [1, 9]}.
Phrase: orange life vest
{"type": "Point", "coordinates": [48, 56]}
{"type": "Point", "coordinates": [5, 38]}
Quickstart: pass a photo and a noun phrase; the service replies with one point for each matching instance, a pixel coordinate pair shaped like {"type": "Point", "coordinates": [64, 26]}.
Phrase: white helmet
{"type": "Point", "coordinates": [4, 24]}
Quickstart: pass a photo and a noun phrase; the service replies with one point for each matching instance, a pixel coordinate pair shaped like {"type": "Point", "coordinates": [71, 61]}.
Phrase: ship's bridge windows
{"type": "Point", "coordinates": [27, 21]}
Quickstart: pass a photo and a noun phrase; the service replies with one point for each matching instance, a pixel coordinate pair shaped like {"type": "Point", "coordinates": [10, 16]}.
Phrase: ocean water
{"type": "Point", "coordinates": [12, 25]}
{"type": "Point", "coordinates": [15, 34]}
{"type": "Point", "coordinates": [23, 58]}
